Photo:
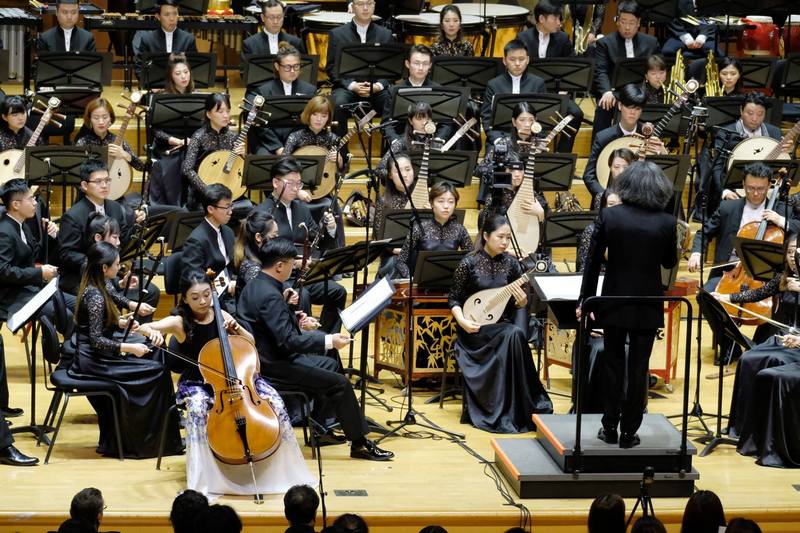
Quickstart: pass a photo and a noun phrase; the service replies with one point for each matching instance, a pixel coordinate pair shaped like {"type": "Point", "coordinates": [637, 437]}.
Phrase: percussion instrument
{"type": "Point", "coordinates": [424, 29]}
{"type": "Point", "coordinates": [763, 40]}
{"type": "Point", "coordinates": [791, 34]}
{"type": "Point", "coordinates": [318, 25]}
{"type": "Point", "coordinates": [505, 22]}
{"type": "Point", "coordinates": [762, 148]}
{"type": "Point", "coordinates": [16, 27]}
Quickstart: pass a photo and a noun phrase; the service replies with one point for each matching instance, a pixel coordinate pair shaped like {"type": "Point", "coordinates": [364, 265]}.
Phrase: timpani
{"type": "Point", "coordinates": [317, 26]}
{"type": "Point", "coordinates": [424, 29]}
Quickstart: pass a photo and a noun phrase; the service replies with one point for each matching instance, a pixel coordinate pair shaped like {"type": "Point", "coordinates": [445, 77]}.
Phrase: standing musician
{"type": "Point", "coordinates": [626, 42]}
{"type": "Point", "coordinates": [97, 121]}
{"type": "Point", "coordinates": [270, 140]}
{"type": "Point", "coordinates": [496, 357]}
{"type": "Point", "coordinates": [9, 454]}
{"type": "Point", "coordinates": [413, 139]}
{"type": "Point", "coordinates": [269, 41]}
{"type": "Point", "coordinates": [20, 278]}
{"type": "Point", "coordinates": [215, 134]}
{"type": "Point", "coordinates": [168, 38]}
{"type": "Point", "coordinates": [640, 224]}
{"type": "Point", "coordinates": [290, 212]}
{"type": "Point", "coordinates": [72, 236]}
{"type": "Point", "coordinates": [345, 90]}
{"type": "Point", "coordinates": [66, 36]}
{"type": "Point", "coordinates": [450, 41]}
{"type": "Point", "coordinates": [193, 325]}
{"type": "Point", "coordinates": [286, 351]}
{"type": "Point", "coordinates": [442, 232]}
{"type": "Point", "coordinates": [143, 385]}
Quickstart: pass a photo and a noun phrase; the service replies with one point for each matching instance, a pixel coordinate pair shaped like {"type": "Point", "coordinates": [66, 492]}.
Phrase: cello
{"type": "Point", "coordinates": [737, 279]}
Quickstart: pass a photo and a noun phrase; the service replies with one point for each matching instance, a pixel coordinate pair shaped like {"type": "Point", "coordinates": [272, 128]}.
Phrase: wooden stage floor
{"type": "Point", "coordinates": [432, 480]}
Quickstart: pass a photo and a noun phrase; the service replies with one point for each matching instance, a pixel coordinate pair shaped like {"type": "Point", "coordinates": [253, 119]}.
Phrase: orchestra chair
{"type": "Point", "coordinates": [172, 274]}
{"type": "Point", "coordinates": [454, 391]}
{"type": "Point", "coordinates": [66, 387]}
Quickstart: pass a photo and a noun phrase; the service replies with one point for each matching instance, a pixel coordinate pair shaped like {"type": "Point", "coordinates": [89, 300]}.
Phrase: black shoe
{"type": "Point", "coordinates": [370, 451]}
{"type": "Point", "coordinates": [11, 412]}
{"type": "Point", "coordinates": [14, 457]}
{"type": "Point", "coordinates": [330, 439]}
{"type": "Point", "coordinates": [629, 441]}
{"type": "Point", "coordinates": [609, 436]}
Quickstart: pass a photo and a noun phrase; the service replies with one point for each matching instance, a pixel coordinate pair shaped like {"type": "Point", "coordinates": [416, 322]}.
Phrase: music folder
{"type": "Point", "coordinates": [367, 306]}
{"type": "Point", "coordinates": [21, 317]}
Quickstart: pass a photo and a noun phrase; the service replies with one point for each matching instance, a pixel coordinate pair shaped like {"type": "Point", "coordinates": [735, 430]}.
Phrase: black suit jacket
{"type": "Point", "coordinates": [18, 274]}
{"type": "Point", "coordinates": [600, 141]}
{"type": "Point", "coordinates": [559, 45]}
{"type": "Point", "coordinates": [53, 41]}
{"type": "Point", "coordinates": [155, 41]}
{"type": "Point", "coordinates": [725, 141]}
{"type": "Point", "coordinates": [270, 139]}
{"type": "Point", "coordinates": [300, 213]}
{"type": "Point", "coordinates": [258, 44]}
{"type": "Point", "coordinates": [201, 250]}
{"type": "Point", "coordinates": [611, 49]}
{"type": "Point", "coordinates": [678, 27]}
{"type": "Point", "coordinates": [73, 241]}
{"type": "Point", "coordinates": [502, 84]}
{"type": "Point", "coordinates": [347, 34]}
{"type": "Point", "coordinates": [639, 243]}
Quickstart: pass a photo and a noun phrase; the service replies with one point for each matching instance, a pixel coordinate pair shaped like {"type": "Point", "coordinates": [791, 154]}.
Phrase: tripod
{"type": "Point", "coordinates": [644, 496]}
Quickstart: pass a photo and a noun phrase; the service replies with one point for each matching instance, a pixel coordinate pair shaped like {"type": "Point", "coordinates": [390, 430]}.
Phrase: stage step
{"type": "Point", "coordinates": [533, 473]}
{"type": "Point", "coordinates": [660, 447]}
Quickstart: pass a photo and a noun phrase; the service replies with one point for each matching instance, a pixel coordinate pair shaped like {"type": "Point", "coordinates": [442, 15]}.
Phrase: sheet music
{"type": "Point", "coordinates": [367, 305]}
{"type": "Point", "coordinates": [22, 316]}
{"type": "Point", "coordinates": [566, 287]}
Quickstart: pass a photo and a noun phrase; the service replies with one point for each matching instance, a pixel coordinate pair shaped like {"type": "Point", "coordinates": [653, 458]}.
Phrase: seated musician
{"type": "Point", "coordinates": [731, 216]}
{"type": "Point", "coordinates": [268, 41]}
{"type": "Point", "coordinates": [630, 101]}
{"type": "Point", "coordinates": [213, 135]}
{"type": "Point", "coordinates": [450, 41]}
{"type": "Point", "coordinates": [211, 244]}
{"type": "Point", "coordinates": [193, 324]}
{"type": "Point", "coordinates": [9, 454]}
{"type": "Point", "coordinates": [97, 121]}
{"type": "Point", "coordinates": [442, 232]}
{"type": "Point", "coordinates": [168, 38]}
{"type": "Point", "coordinates": [500, 199]}
{"type": "Point", "coordinates": [545, 38]}
{"type": "Point", "coordinates": [271, 140]}
{"type": "Point", "coordinates": [20, 278]}
{"type": "Point", "coordinates": [694, 41]}
{"type": "Point", "coordinates": [72, 237]}
{"type": "Point", "coordinates": [655, 78]}
{"type": "Point", "coordinates": [626, 42]}
{"type": "Point", "coordinates": [66, 36]}
{"type": "Point", "coordinates": [400, 179]}
{"type": "Point", "coordinates": [730, 75]}
{"type": "Point", "coordinates": [14, 134]}
{"type": "Point", "coordinates": [418, 63]}
{"type": "Point", "coordinates": [144, 386]}
{"type": "Point", "coordinates": [345, 90]}
{"type": "Point", "coordinates": [493, 356]}
{"type": "Point", "coordinates": [286, 351]}
{"type": "Point", "coordinates": [258, 227]}
{"type": "Point", "coordinates": [290, 212]}
{"type": "Point", "coordinates": [413, 138]}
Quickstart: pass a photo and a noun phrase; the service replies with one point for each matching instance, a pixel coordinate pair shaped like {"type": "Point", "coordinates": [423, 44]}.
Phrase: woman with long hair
{"type": "Point", "coordinates": [143, 386]}
{"type": "Point", "coordinates": [179, 78]}
{"type": "Point", "coordinates": [256, 229]}
{"type": "Point", "coordinates": [703, 513]}
{"type": "Point", "coordinates": [451, 41]}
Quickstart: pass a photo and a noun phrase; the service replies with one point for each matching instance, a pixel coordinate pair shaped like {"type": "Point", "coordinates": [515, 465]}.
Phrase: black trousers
{"type": "Point", "coordinates": [626, 382]}
{"type": "Point", "coordinates": [6, 439]}
{"type": "Point", "coordinates": [331, 296]}
{"type": "Point", "coordinates": [341, 96]}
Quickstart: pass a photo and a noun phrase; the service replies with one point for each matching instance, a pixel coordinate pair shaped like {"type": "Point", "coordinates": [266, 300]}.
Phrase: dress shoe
{"type": "Point", "coordinates": [370, 451]}
{"type": "Point", "coordinates": [330, 439]}
{"type": "Point", "coordinates": [609, 436]}
{"type": "Point", "coordinates": [11, 412]}
{"type": "Point", "coordinates": [627, 440]}
{"type": "Point", "coordinates": [14, 457]}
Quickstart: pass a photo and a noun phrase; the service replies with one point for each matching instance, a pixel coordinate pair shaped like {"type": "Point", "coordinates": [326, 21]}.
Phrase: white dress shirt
{"type": "Point", "coordinates": [273, 42]}
{"type": "Point", "coordinates": [67, 38]}
{"type": "Point", "coordinates": [287, 88]}
{"type": "Point", "coordinates": [544, 41]}
{"type": "Point", "coordinates": [362, 31]}
{"type": "Point", "coordinates": [169, 35]}
{"type": "Point", "coordinates": [515, 84]}
{"type": "Point", "coordinates": [629, 48]}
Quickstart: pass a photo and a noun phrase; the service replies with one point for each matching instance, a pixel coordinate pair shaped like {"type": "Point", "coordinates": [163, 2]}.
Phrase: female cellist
{"type": "Point", "coordinates": [193, 324]}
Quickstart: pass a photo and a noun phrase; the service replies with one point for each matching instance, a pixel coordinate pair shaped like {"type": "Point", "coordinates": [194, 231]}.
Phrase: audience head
{"type": "Point", "coordinates": [628, 18]}
{"type": "Point", "coordinates": [301, 501]}
{"type": "Point", "coordinates": [648, 524]}
{"type": "Point", "coordinates": [272, 13]}
{"type": "Point", "coordinates": [88, 505]}
{"type": "Point", "coordinates": [218, 519]}
{"type": "Point", "coordinates": [179, 75]}
{"type": "Point", "coordinates": [67, 13]}
{"type": "Point", "coordinates": [742, 525]}
{"type": "Point", "coordinates": [317, 113]}
{"type": "Point", "coordinates": [14, 112]}
{"type": "Point", "coordinates": [730, 73]}
{"type": "Point", "coordinates": [217, 201]}
{"type": "Point", "coordinates": [218, 110]}
{"type": "Point", "coordinates": [607, 514]}
{"type": "Point", "coordinates": [185, 508]}
{"type": "Point", "coordinates": [286, 176]}
{"type": "Point", "coordinates": [95, 182]}
{"type": "Point", "coordinates": [643, 184]}
{"type": "Point", "coordinates": [167, 14]}
{"type": "Point", "coordinates": [351, 523]}
{"type": "Point", "coordinates": [547, 15]}
{"type": "Point", "coordinates": [18, 198]}
{"type": "Point", "coordinates": [515, 57]}
{"type": "Point", "coordinates": [433, 529]}
{"type": "Point", "coordinates": [703, 513]}
{"type": "Point", "coordinates": [450, 23]}
{"type": "Point", "coordinates": [754, 110]}
{"type": "Point", "coordinates": [288, 63]}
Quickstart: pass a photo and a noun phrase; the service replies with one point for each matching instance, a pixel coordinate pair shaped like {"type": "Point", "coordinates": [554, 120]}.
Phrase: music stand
{"type": "Point", "coordinates": [453, 166]}
{"type": "Point", "coordinates": [562, 230]}
{"type": "Point", "coordinates": [154, 69]}
{"type": "Point", "coordinates": [472, 72]}
{"type": "Point", "coordinates": [571, 74]}
{"type": "Point", "coordinates": [446, 102]}
{"type": "Point", "coordinates": [258, 69]}
{"type": "Point", "coordinates": [434, 269]}
{"type": "Point", "coordinates": [555, 172]}
{"type": "Point", "coordinates": [396, 223]}
{"type": "Point", "coordinates": [735, 176]}
{"type": "Point", "coordinates": [544, 105]}
{"type": "Point", "coordinates": [157, 226]}
{"type": "Point", "coordinates": [761, 259]}
{"type": "Point", "coordinates": [629, 70]}
{"type": "Point", "coordinates": [675, 127]}
{"type": "Point", "coordinates": [5, 56]}
{"type": "Point", "coordinates": [188, 7]}
{"type": "Point", "coordinates": [757, 72]}
{"type": "Point", "coordinates": [179, 227]}
{"type": "Point", "coordinates": [284, 111]}
{"type": "Point", "coordinates": [658, 11]}
{"type": "Point", "coordinates": [180, 115]}
{"type": "Point", "coordinates": [370, 62]}
{"type": "Point", "coordinates": [73, 69]}
{"type": "Point", "coordinates": [73, 100]}
{"type": "Point", "coordinates": [65, 164]}
{"type": "Point", "coordinates": [257, 170]}
{"type": "Point", "coordinates": [723, 110]}
{"type": "Point", "coordinates": [790, 82]}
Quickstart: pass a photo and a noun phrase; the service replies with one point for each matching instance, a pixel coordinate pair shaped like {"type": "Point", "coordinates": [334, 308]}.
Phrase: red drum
{"type": "Point", "coordinates": [763, 40]}
{"type": "Point", "coordinates": [791, 39]}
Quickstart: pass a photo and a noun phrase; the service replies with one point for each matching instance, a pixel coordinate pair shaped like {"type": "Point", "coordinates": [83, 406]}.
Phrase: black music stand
{"type": "Point", "coordinates": [258, 69]}
{"type": "Point", "coordinates": [73, 69]}
{"type": "Point", "coordinates": [257, 170]}
{"type": "Point", "coordinates": [154, 69]}
{"type": "Point", "coordinates": [284, 111]}
{"type": "Point", "coordinates": [446, 102]}
{"type": "Point", "coordinates": [555, 172]}
{"type": "Point", "coordinates": [370, 62]}
{"type": "Point", "coordinates": [64, 166]}
{"type": "Point", "coordinates": [790, 81]}
{"type": "Point", "coordinates": [629, 70]}
{"type": "Point", "coordinates": [761, 259]}
{"type": "Point", "coordinates": [658, 11]}
{"type": "Point", "coordinates": [757, 72]}
{"type": "Point", "coordinates": [563, 230]}
{"type": "Point", "coordinates": [453, 166]}
{"type": "Point", "coordinates": [188, 7]}
{"type": "Point", "coordinates": [396, 223]}
{"type": "Point", "coordinates": [178, 114]}
{"type": "Point", "coordinates": [724, 110]}
{"type": "Point", "coordinates": [735, 176]}
{"type": "Point", "coordinates": [571, 74]}
{"type": "Point", "coordinates": [472, 72]}
{"type": "Point", "coordinates": [157, 226]}
{"type": "Point", "coordinates": [73, 100]}
{"type": "Point", "coordinates": [674, 129]}
{"type": "Point", "coordinates": [544, 105]}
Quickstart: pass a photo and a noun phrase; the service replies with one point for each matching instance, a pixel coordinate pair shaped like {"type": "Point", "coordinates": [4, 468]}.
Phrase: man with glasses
{"type": "Point", "coordinates": [73, 241]}
{"type": "Point", "coordinates": [627, 42]}
{"type": "Point", "coordinates": [362, 30]}
{"type": "Point", "coordinates": [267, 42]}
{"type": "Point", "coordinates": [294, 219]}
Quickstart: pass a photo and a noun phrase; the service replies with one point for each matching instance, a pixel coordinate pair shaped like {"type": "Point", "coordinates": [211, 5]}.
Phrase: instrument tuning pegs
{"type": "Point", "coordinates": [56, 123]}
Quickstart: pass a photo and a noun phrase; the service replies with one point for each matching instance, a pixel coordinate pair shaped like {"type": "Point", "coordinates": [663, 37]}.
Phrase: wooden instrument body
{"type": "Point", "coordinates": [215, 169]}
{"type": "Point", "coordinates": [526, 225]}
{"type": "Point", "coordinates": [328, 182]}
{"type": "Point", "coordinates": [487, 306]}
{"type": "Point", "coordinates": [755, 149]}
{"type": "Point", "coordinates": [8, 165]}
{"type": "Point", "coordinates": [603, 171]}
{"type": "Point", "coordinates": [120, 173]}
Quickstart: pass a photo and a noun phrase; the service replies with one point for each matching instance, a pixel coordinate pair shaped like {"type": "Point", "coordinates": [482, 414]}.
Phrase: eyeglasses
{"type": "Point", "coordinates": [420, 64]}
{"type": "Point", "coordinates": [293, 184]}
{"type": "Point", "coordinates": [628, 24]}
{"type": "Point", "coordinates": [289, 68]}
{"type": "Point", "coordinates": [104, 181]}
{"type": "Point", "coordinates": [759, 190]}
{"type": "Point", "coordinates": [228, 208]}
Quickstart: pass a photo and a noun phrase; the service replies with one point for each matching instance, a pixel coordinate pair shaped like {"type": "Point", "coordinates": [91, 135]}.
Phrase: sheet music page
{"type": "Point", "coordinates": [567, 287]}
{"type": "Point", "coordinates": [366, 304]}
{"type": "Point", "coordinates": [19, 318]}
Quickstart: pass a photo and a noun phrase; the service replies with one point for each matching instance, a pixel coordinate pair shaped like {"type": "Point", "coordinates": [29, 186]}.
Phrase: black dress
{"type": "Point", "coordinates": [502, 387]}
{"type": "Point", "coordinates": [144, 388]}
{"type": "Point", "coordinates": [451, 235]}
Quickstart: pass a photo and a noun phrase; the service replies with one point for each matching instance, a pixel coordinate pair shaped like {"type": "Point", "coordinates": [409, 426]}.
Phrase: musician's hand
{"type": "Point", "coordinates": [117, 152]}
{"type": "Point", "coordinates": [656, 146]}
{"type": "Point", "coordinates": [232, 326]}
{"type": "Point", "coordinates": [793, 284]}
{"type": "Point", "coordinates": [591, 39]}
{"type": "Point", "coordinates": [49, 272]}
{"type": "Point", "coordinates": [727, 194]}
{"type": "Point", "coordinates": [694, 45]}
{"type": "Point", "coordinates": [533, 207]}
{"type": "Point", "coordinates": [773, 217]}
{"type": "Point", "coordinates": [725, 298]}
{"type": "Point", "coordinates": [469, 326]}
{"type": "Point", "coordinates": [607, 101]}
{"type": "Point", "coordinates": [133, 282]}
{"type": "Point", "coordinates": [291, 296]}
{"type": "Point", "coordinates": [790, 341]}
{"type": "Point", "coordinates": [139, 216]}
{"type": "Point", "coordinates": [231, 288]}
{"type": "Point", "coordinates": [520, 296]}
{"type": "Point", "coordinates": [694, 262]}
{"type": "Point", "coordinates": [124, 319]}
{"type": "Point", "coordinates": [333, 156]}
{"type": "Point", "coordinates": [361, 88]}
{"type": "Point", "coordinates": [144, 309]}
{"type": "Point", "coordinates": [51, 228]}
{"type": "Point", "coordinates": [579, 313]}
{"type": "Point", "coordinates": [138, 349]}
{"type": "Point", "coordinates": [787, 146]}
{"type": "Point", "coordinates": [307, 323]}
{"type": "Point", "coordinates": [154, 335]}
{"type": "Point", "coordinates": [304, 196]}
{"type": "Point", "coordinates": [174, 141]}
{"type": "Point", "coordinates": [341, 340]}
{"type": "Point", "coordinates": [329, 221]}
{"type": "Point", "coordinates": [396, 251]}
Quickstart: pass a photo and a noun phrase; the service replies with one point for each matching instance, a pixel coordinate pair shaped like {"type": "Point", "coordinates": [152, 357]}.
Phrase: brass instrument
{"type": "Point", "coordinates": [582, 32]}
{"type": "Point", "coordinates": [713, 87]}
{"type": "Point", "coordinates": [676, 79]}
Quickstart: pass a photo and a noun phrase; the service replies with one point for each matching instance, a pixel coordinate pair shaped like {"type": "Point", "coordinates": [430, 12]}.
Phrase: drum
{"type": "Point", "coordinates": [424, 29]}
{"type": "Point", "coordinates": [506, 22]}
{"type": "Point", "coordinates": [791, 34]}
{"type": "Point", "coordinates": [763, 40]}
{"type": "Point", "coordinates": [317, 25]}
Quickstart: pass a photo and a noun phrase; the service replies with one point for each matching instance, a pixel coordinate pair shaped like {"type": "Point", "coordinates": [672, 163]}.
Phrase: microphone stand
{"type": "Point", "coordinates": [48, 193]}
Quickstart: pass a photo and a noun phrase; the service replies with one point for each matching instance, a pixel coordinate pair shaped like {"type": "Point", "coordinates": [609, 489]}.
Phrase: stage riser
{"type": "Point", "coordinates": [622, 463]}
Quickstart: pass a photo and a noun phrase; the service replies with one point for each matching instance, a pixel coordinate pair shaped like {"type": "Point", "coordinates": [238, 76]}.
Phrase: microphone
{"type": "Point", "coordinates": [370, 129]}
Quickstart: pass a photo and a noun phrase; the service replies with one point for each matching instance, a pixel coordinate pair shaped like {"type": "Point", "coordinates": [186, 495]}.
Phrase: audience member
{"type": "Point", "coordinates": [742, 525]}
{"type": "Point", "coordinates": [185, 508]}
{"type": "Point", "coordinates": [648, 524]}
{"type": "Point", "coordinates": [71, 525]}
{"type": "Point", "coordinates": [607, 514]}
{"type": "Point", "coordinates": [300, 508]}
{"type": "Point", "coordinates": [351, 523]}
{"type": "Point", "coordinates": [218, 519]}
{"type": "Point", "coordinates": [87, 506]}
{"type": "Point", "coordinates": [433, 529]}
{"type": "Point", "coordinates": [703, 513]}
